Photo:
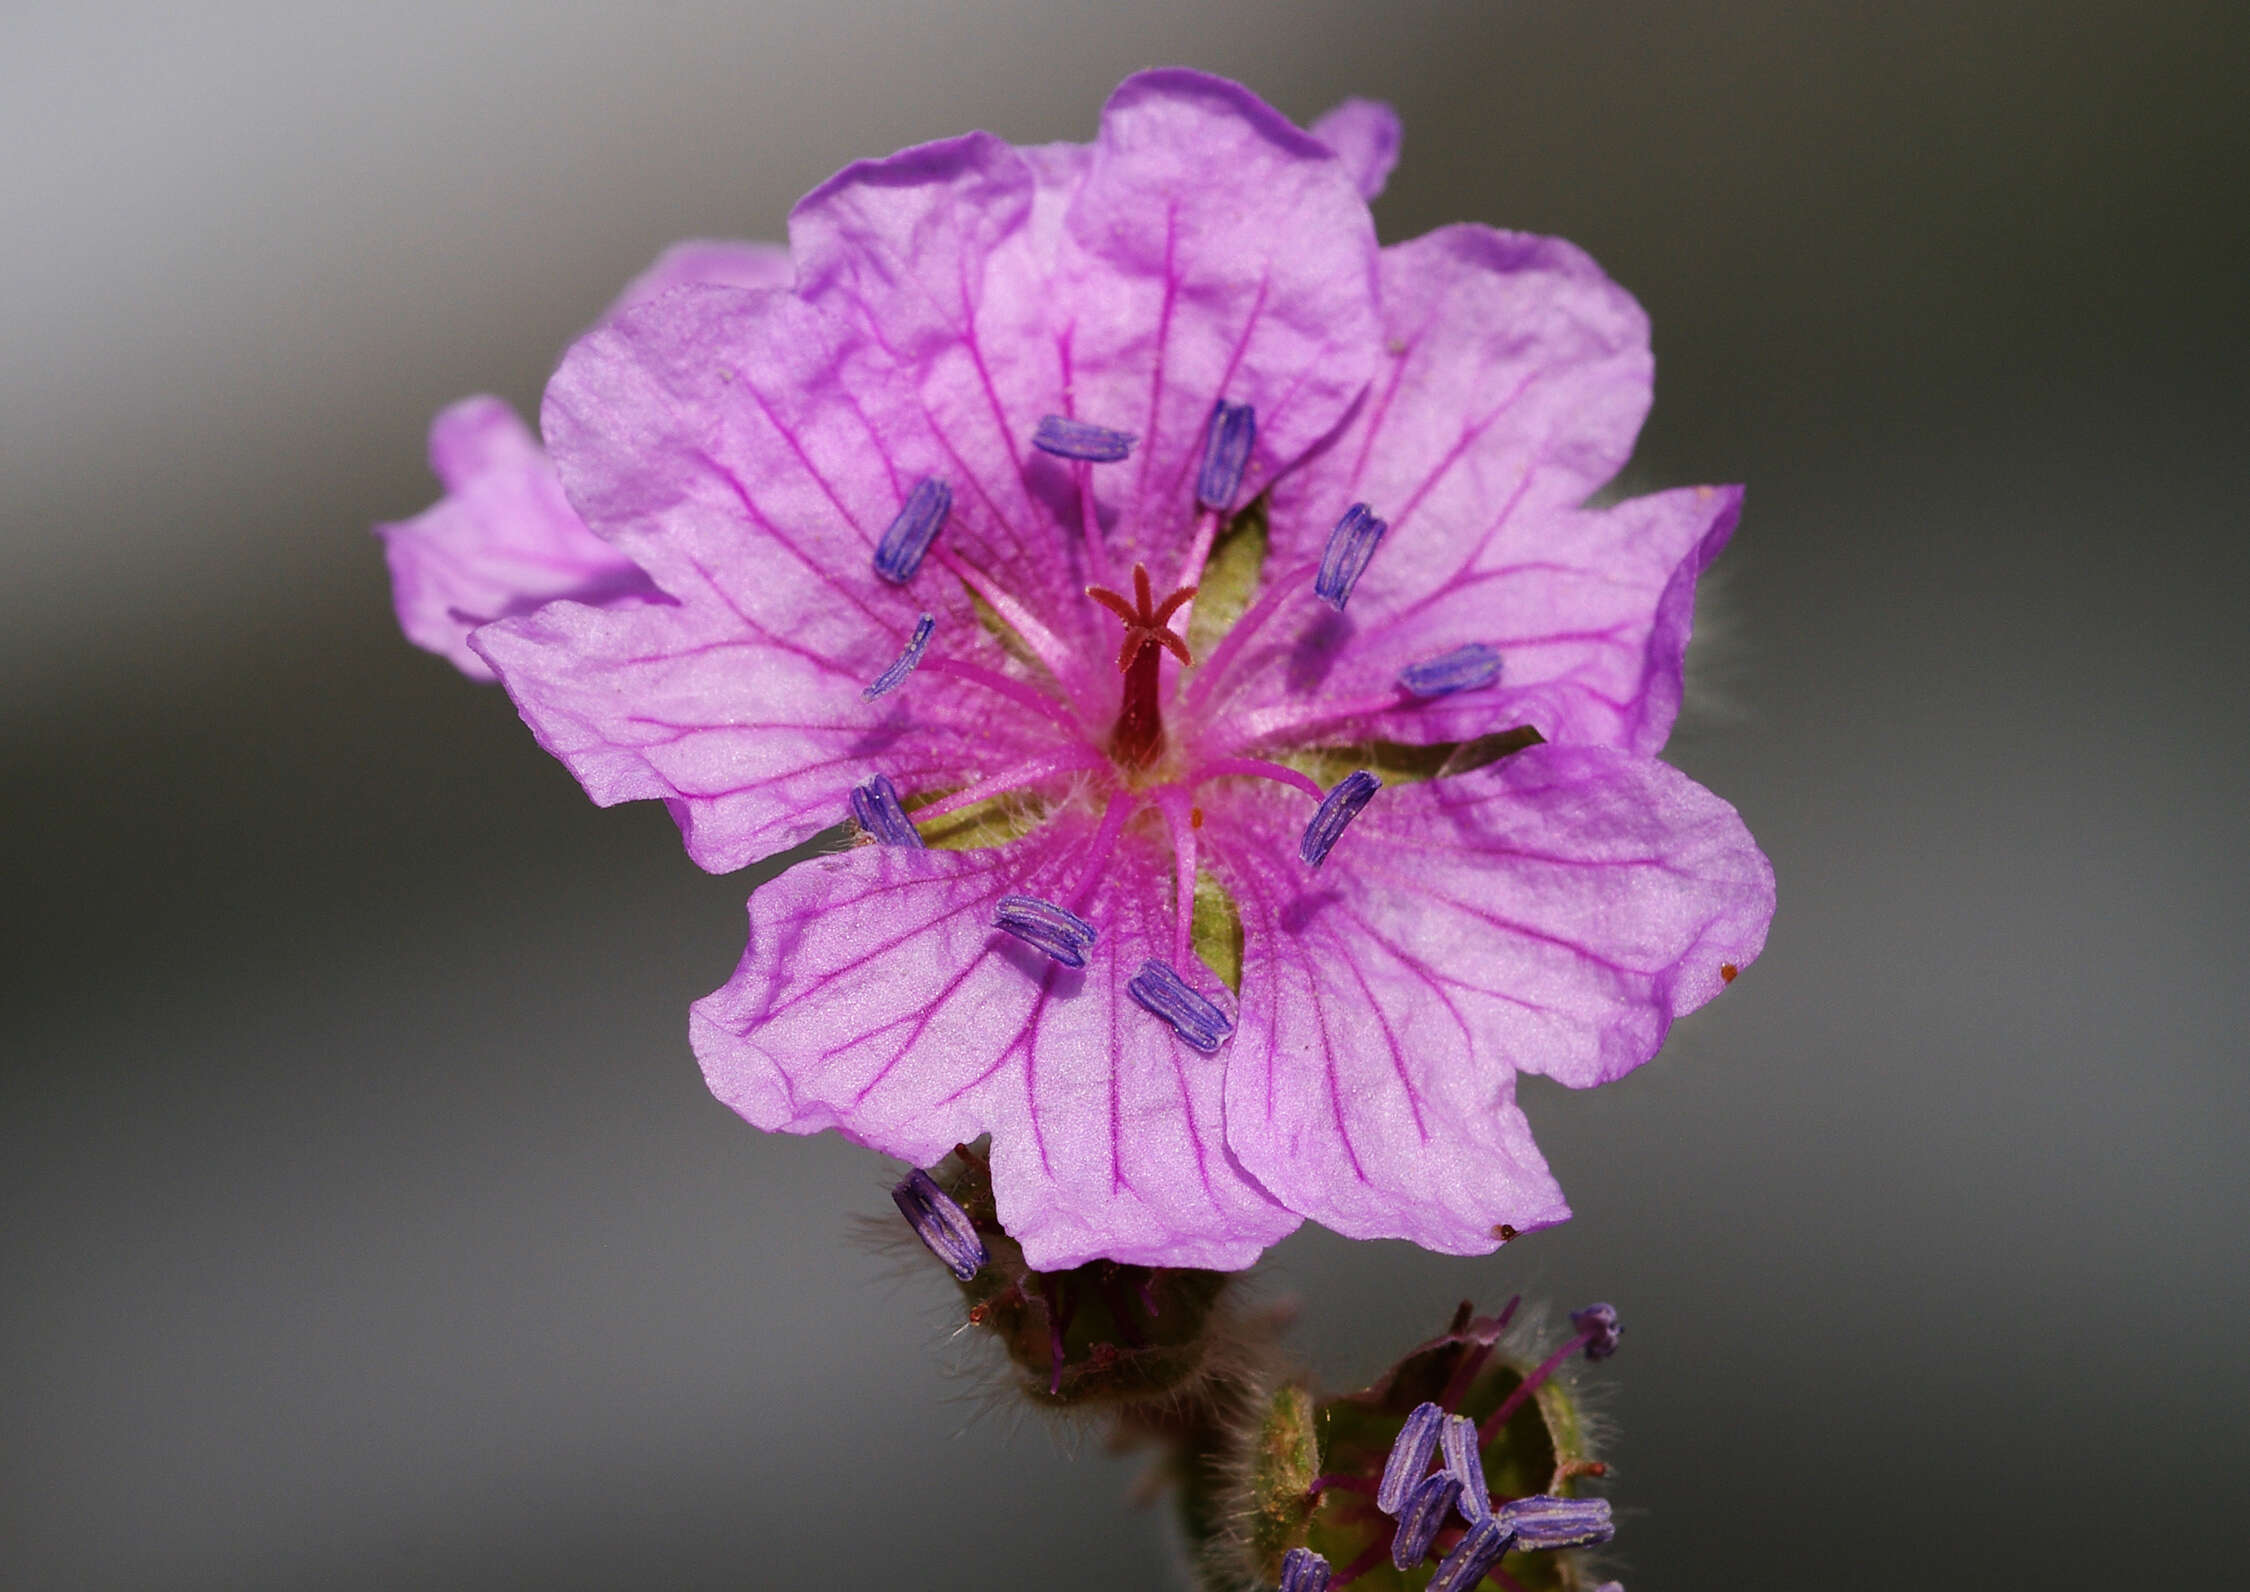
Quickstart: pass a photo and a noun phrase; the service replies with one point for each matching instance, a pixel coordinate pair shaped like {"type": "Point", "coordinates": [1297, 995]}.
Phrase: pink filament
{"type": "Point", "coordinates": [1259, 768]}
{"type": "Point", "coordinates": [1008, 779]}
{"type": "Point", "coordinates": [999, 684]}
{"type": "Point", "coordinates": [1530, 1385]}
{"type": "Point", "coordinates": [1297, 582]}
{"type": "Point", "coordinates": [1173, 802]}
{"type": "Point", "coordinates": [1098, 851]}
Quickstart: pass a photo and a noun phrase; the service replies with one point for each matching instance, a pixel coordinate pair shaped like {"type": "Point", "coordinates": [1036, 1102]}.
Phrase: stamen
{"type": "Point", "coordinates": [1464, 1462]}
{"type": "Point", "coordinates": [1550, 1522]}
{"type": "Point", "coordinates": [1081, 439]}
{"type": "Point", "coordinates": [875, 807]}
{"type": "Point", "coordinates": [1350, 545]}
{"type": "Point", "coordinates": [1028, 772]}
{"type": "Point", "coordinates": [1303, 1570]}
{"type": "Point", "coordinates": [1599, 1325]}
{"type": "Point", "coordinates": [1338, 808]}
{"type": "Point", "coordinates": [941, 1224]}
{"type": "Point", "coordinates": [899, 554]}
{"type": "Point", "coordinates": [1179, 822]}
{"type": "Point", "coordinates": [1472, 1557]}
{"type": "Point", "coordinates": [1410, 1456]}
{"type": "Point", "coordinates": [1597, 1333]}
{"type": "Point", "coordinates": [889, 679]}
{"type": "Point", "coordinates": [1259, 768]}
{"type": "Point", "coordinates": [1061, 933]}
{"type": "Point", "coordinates": [1099, 848]}
{"type": "Point", "coordinates": [1159, 989]}
{"type": "Point", "coordinates": [1000, 685]}
{"type": "Point", "coordinates": [1232, 430]}
{"type": "Point", "coordinates": [1424, 1512]}
{"type": "Point", "coordinates": [1466, 668]}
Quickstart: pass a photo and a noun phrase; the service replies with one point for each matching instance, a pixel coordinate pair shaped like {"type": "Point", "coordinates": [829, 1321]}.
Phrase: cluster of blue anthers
{"type": "Point", "coordinates": [1417, 1497]}
{"type": "Point", "coordinates": [1055, 930]}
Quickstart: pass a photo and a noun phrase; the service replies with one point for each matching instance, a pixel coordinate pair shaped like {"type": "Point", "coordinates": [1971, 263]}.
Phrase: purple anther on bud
{"type": "Point", "coordinates": [888, 680]}
{"type": "Point", "coordinates": [1158, 988]}
{"type": "Point", "coordinates": [1472, 1557]}
{"type": "Point", "coordinates": [1338, 808]}
{"type": "Point", "coordinates": [1465, 668]}
{"type": "Point", "coordinates": [1464, 1462]}
{"type": "Point", "coordinates": [1410, 1456]}
{"type": "Point", "coordinates": [1599, 1324]}
{"type": "Point", "coordinates": [941, 1224]}
{"type": "Point", "coordinates": [1081, 439]}
{"type": "Point", "coordinates": [1303, 1570]}
{"type": "Point", "coordinates": [1550, 1522]}
{"type": "Point", "coordinates": [1226, 454]}
{"type": "Point", "coordinates": [1424, 1512]}
{"type": "Point", "coordinates": [899, 554]}
{"type": "Point", "coordinates": [875, 807]}
{"type": "Point", "coordinates": [1058, 931]}
{"type": "Point", "coordinates": [1350, 545]}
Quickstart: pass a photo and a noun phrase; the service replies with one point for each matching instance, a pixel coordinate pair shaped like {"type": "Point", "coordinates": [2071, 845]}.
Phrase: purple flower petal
{"type": "Point", "coordinates": [706, 262]}
{"type": "Point", "coordinates": [1365, 135]}
{"type": "Point", "coordinates": [876, 998]}
{"type": "Point", "coordinates": [703, 433]}
{"type": "Point", "coordinates": [1551, 913]}
{"type": "Point", "coordinates": [1213, 251]}
{"type": "Point", "coordinates": [1518, 377]}
{"type": "Point", "coordinates": [502, 541]}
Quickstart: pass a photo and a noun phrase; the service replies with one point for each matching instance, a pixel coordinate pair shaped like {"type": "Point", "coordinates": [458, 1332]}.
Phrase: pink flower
{"type": "Point", "coordinates": [1202, 946]}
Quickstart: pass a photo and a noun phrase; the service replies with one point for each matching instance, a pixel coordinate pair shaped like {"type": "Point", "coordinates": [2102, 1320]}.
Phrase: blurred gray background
{"type": "Point", "coordinates": [363, 1219]}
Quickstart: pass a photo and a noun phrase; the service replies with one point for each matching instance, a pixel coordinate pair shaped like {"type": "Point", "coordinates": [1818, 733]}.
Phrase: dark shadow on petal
{"type": "Point", "coordinates": [1316, 647]}
{"type": "Point", "coordinates": [1299, 914]}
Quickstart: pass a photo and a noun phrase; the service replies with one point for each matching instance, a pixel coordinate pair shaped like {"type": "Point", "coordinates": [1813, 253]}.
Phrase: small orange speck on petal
{"type": "Point", "coordinates": [1504, 1232]}
{"type": "Point", "coordinates": [1727, 971]}
{"type": "Point", "coordinates": [1195, 818]}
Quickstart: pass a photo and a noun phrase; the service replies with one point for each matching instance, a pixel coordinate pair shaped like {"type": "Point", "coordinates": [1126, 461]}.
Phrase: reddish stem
{"type": "Point", "coordinates": [1528, 1386]}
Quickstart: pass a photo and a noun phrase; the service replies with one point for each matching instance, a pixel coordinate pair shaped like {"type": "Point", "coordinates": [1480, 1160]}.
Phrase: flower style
{"type": "Point", "coordinates": [1249, 731]}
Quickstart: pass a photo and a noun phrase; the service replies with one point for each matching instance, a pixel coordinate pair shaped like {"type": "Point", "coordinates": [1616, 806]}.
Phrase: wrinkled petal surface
{"type": "Point", "coordinates": [502, 541]}
{"type": "Point", "coordinates": [1366, 136]}
{"type": "Point", "coordinates": [877, 999]}
{"type": "Point", "coordinates": [1516, 379]}
{"type": "Point", "coordinates": [703, 434]}
{"type": "Point", "coordinates": [1552, 913]}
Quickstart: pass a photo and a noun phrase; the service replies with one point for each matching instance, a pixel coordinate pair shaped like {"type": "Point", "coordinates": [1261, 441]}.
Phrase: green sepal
{"type": "Point", "coordinates": [1130, 1333]}
{"type": "Point", "coordinates": [1401, 763]}
{"type": "Point", "coordinates": [1217, 930]}
{"type": "Point", "coordinates": [1285, 1458]}
{"type": "Point", "coordinates": [992, 822]}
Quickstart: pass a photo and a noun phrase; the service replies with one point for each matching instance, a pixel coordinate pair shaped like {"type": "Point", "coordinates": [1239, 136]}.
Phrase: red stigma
{"type": "Point", "coordinates": [1139, 735]}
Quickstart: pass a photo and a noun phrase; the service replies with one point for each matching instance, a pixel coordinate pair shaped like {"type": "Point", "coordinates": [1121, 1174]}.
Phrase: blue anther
{"type": "Point", "coordinates": [1410, 1456]}
{"type": "Point", "coordinates": [900, 553]}
{"type": "Point", "coordinates": [1424, 1512]}
{"type": "Point", "coordinates": [1227, 441]}
{"type": "Point", "coordinates": [1465, 668]}
{"type": "Point", "coordinates": [1303, 1570]}
{"type": "Point", "coordinates": [1550, 1522]}
{"type": "Point", "coordinates": [1350, 545]}
{"type": "Point", "coordinates": [1599, 1323]}
{"type": "Point", "coordinates": [1472, 1557]}
{"type": "Point", "coordinates": [1081, 439]}
{"type": "Point", "coordinates": [904, 664]}
{"type": "Point", "coordinates": [1464, 1462]}
{"type": "Point", "coordinates": [1338, 808]}
{"type": "Point", "coordinates": [875, 806]}
{"type": "Point", "coordinates": [1058, 931]}
{"type": "Point", "coordinates": [941, 1224]}
{"type": "Point", "coordinates": [1158, 988]}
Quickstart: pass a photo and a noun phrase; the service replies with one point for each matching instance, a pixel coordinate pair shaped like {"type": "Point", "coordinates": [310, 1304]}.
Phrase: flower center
{"type": "Point", "coordinates": [1138, 739]}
